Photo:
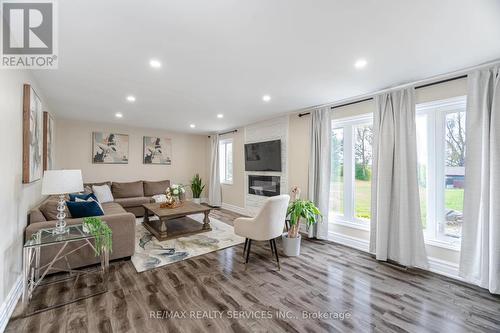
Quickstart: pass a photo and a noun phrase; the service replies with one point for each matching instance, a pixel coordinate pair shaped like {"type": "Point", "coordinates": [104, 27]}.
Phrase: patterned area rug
{"type": "Point", "coordinates": [151, 253]}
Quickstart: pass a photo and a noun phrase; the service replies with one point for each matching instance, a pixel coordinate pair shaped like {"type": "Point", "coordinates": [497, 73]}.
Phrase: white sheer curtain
{"type": "Point", "coordinates": [396, 229]}
{"type": "Point", "coordinates": [319, 168]}
{"type": "Point", "coordinates": [214, 188]}
{"type": "Point", "coordinates": [480, 253]}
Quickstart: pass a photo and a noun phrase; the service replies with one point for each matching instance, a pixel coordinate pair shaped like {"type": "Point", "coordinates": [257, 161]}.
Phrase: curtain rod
{"type": "Point", "coordinates": [228, 132]}
{"type": "Point", "coordinates": [370, 98]}
{"type": "Point", "coordinates": [462, 73]}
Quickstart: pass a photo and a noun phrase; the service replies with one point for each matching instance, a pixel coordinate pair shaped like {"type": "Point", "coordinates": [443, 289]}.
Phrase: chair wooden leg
{"type": "Point", "coordinates": [276, 253]}
{"type": "Point", "coordinates": [245, 247]}
{"type": "Point", "coordinates": [248, 252]}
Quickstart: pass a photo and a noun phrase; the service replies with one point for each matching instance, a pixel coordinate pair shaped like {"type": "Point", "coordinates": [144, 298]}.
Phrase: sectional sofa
{"type": "Point", "coordinates": [120, 215]}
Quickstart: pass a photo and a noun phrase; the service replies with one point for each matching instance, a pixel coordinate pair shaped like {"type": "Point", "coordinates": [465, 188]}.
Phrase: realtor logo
{"type": "Point", "coordinates": [28, 34]}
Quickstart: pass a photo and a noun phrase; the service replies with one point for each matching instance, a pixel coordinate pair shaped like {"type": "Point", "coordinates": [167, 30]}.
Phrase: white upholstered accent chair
{"type": "Point", "coordinates": [266, 226]}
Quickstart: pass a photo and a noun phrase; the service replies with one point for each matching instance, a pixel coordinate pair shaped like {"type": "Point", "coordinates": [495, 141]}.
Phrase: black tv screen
{"type": "Point", "coordinates": [263, 156]}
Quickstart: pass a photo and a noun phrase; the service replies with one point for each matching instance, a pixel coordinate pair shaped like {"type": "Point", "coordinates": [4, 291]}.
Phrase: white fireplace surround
{"type": "Point", "coordinates": [273, 129]}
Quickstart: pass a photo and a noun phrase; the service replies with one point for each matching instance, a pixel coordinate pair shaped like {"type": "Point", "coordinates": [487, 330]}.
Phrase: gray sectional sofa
{"type": "Point", "coordinates": [120, 215]}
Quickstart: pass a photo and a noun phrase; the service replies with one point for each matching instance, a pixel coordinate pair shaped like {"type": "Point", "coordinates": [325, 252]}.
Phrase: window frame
{"type": "Point", "coordinates": [225, 143]}
{"type": "Point", "coordinates": [436, 112]}
{"type": "Point", "coordinates": [348, 124]}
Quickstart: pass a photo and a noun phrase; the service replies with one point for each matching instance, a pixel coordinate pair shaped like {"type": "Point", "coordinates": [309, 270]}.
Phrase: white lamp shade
{"type": "Point", "coordinates": [62, 182]}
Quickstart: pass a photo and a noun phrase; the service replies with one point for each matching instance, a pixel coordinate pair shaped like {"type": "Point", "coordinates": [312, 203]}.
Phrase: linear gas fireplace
{"type": "Point", "coordinates": [267, 186]}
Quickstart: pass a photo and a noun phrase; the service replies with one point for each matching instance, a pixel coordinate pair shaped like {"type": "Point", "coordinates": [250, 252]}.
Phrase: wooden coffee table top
{"type": "Point", "coordinates": [187, 208]}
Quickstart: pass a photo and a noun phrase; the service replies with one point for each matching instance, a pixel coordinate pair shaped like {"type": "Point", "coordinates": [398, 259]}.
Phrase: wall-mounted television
{"type": "Point", "coordinates": [263, 156]}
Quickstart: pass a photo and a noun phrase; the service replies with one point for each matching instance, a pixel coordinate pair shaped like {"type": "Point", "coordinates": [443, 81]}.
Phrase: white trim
{"type": "Point", "coordinates": [9, 305]}
{"type": "Point", "coordinates": [438, 266]}
{"type": "Point", "coordinates": [337, 220]}
{"type": "Point", "coordinates": [448, 104]}
{"type": "Point", "coordinates": [354, 242]}
{"type": "Point", "coordinates": [443, 267]}
{"type": "Point", "coordinates": [236, 209]}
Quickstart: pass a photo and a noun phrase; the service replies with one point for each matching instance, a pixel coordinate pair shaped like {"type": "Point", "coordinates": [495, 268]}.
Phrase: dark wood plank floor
{"type": "Point", "coordinates": [327, 278]}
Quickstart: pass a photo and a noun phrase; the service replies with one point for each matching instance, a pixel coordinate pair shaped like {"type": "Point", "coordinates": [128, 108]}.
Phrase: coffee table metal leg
{"type": "Point", "coordinates": [206, 221]}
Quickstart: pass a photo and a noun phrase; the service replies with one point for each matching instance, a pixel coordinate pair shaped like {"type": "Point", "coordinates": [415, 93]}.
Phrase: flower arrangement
{"type": "Point", "coordinates": [175, 196]}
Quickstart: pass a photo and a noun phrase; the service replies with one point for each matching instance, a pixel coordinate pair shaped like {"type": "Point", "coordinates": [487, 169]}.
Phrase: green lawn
{"type": "Point", "coordinates": [454, 199]}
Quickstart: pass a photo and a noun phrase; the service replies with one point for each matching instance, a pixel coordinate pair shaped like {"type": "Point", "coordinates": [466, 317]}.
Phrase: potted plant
{"type": "Point", "coordinates": [297, 210]}
{"type": "Point", "coordinates": [197, 187]}
{"type": "Point", "coordinates": [101, 232]}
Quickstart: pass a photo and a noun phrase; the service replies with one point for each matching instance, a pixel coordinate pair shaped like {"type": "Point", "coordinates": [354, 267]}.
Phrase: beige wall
{"type": "Point", "coordinates": [17, 198]}
{"type": "Point", "coordinates": [74, 151]}
{"type": "Point", "coordinates": [298, 152]}
{"type": "Point", "coordinates": [234, 194]}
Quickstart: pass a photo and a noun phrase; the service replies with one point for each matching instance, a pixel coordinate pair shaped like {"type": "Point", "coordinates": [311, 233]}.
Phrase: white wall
{"type": "Point", "coordinates": [16, 198]}
{"type": "Point", "coordinates": [74, 150]}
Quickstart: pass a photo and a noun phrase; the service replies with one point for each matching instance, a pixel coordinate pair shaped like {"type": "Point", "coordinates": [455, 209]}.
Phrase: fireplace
{"type": "Point", "coordinates": [267, 186]}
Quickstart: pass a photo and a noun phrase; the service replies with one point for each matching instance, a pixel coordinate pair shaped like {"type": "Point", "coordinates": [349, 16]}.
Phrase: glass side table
{"type": "Point", "coordinates": [34, 274]}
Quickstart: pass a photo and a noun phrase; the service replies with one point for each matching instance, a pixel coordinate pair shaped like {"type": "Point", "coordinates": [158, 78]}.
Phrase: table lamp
{"type": "Point", "coordinates": [61, 182]}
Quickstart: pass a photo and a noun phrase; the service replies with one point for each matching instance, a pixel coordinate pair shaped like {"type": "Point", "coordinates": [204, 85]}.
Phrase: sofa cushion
{"type": "Point", "coordinates": [132, 202]}
{"type": "Point", "coordinates": [87, 187]}
{"type": "Point", "coordinates": [127, 190]}
{"type": "Point", "coordinates": [80, 209]}
{"type": "Point", "coordinates": [36, 215]}
{"type": "Point", "coordinates": [112, 208]}
{"type": "Point", "coordinates": [49, 209]}
{"type": "Point", "coordinates": [152, 188]}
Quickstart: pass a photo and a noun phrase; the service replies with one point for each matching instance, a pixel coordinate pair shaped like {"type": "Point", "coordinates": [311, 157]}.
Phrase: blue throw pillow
{"type": "Point", "coordinates": [84, 209]}
{"type": "Point", "coordinates": [85, 197]}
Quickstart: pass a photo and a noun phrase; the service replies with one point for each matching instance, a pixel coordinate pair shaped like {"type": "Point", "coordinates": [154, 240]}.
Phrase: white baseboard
{"type": "Point", "coordinates": [9, 305]}
{"type": "Point", "coordinates": [438, 266]}
{"type": "Point", "coordinates": [354, 242]}
{"type": "Point", "coordinates": [236, 209]}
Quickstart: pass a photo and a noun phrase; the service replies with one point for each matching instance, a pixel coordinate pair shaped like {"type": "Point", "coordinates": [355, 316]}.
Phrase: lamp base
{"type": "Point", "coordinates": [61, 223]}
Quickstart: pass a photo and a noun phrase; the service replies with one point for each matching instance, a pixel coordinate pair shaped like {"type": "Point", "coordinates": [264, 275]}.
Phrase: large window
{"type": "Point", "coordinates": [226, 161]}
{"type": "Point", "coordinates": [441, 168]}
{"type": "Point", "coordinates": [350, 188]}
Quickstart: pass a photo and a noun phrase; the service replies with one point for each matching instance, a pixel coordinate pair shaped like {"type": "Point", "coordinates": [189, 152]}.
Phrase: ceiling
{"type": "Point", "coordinates": [222, 56]}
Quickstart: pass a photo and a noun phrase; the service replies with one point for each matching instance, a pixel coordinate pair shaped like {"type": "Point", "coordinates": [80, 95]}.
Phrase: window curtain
{"type": "Point", "coordinates": [319, 168]}
{"type": "Point", "coordinates": [480, 253]}
{"type": "Point", "coordinates": [396, 229]}
{"type": "Point", "coordinates": [214, 188]}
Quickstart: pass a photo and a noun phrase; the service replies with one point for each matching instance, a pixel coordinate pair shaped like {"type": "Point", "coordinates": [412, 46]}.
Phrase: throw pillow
{"type": "Point", "coordinates": [80, 209]}
{"type": "Point", "coordinates": [103, 193]}
{"type": "Point", "coordinates": [49, 210]}
{"type": "Point", "coordinates": [83, 197]}
{"type": "Point", "coordinates": [88, 200]}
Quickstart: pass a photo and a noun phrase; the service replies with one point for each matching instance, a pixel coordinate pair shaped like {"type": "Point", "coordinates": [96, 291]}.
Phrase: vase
{"type": "Point", "coordinates": [291, 246]}
{"type": "Point", "coordinates": [197, 200]}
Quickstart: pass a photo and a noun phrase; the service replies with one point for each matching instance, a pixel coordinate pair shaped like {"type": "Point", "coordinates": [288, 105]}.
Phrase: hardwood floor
{"type": "Point", "coordinates": [327, 279]}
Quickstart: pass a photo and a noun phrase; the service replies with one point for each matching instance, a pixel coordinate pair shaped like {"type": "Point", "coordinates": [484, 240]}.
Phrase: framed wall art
{"type": "Point", "coordinates": [157, 150]}
{"type": "Point", "coordinates": [32, 135]}
{"type": "Point", "coordinates": [109, 148]}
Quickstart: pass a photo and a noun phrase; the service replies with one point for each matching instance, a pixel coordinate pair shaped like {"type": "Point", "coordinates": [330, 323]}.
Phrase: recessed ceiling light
{"type": "Point", "coordinates": [220, 115]}
{"type": "Point", "coordinates": [155, 63]}
{"type": "Point", "coordinates": [118, 115]}
{"type": "Point", "coordinates": [192, 125]}
{"type": "Point", "coordinates": [266, 98]}
{"type": "Point", "coordinates": [131, 98]}
{"type": "Point", "coordinates": [360, 63]}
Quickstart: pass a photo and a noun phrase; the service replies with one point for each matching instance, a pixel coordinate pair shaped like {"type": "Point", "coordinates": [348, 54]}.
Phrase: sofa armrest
{"type": "Point", "coordinates": [122, 226]}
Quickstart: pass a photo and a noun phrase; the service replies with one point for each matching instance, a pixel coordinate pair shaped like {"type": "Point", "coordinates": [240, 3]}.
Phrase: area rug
{"type": "Point", "coordinates": [151, 253]}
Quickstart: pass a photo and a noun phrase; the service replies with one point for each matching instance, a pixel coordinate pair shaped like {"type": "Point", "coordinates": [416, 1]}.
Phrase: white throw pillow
{"type": "Point", "coordinates": [103, 193]}
{"type": "Point", "coordinates": [159, 198]}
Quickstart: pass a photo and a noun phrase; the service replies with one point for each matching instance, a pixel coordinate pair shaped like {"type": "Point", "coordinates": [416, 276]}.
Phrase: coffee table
{"type": "Point", "coordinates": [174, 222]}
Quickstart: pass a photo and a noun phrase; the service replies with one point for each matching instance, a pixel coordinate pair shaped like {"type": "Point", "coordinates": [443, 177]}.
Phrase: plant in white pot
{"type": "Point", "coordinates": [298, 210]}
{"type": "Point", "coordinates": [197, 187]}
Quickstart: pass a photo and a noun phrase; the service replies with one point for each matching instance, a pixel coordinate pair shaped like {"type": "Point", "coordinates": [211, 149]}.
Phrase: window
{"type": "Point", "coordinates": [351, 167]}
{"type": "Point", "coordinates": [226, 161]}
{"type": "Point", "coordinates": [441, 152]}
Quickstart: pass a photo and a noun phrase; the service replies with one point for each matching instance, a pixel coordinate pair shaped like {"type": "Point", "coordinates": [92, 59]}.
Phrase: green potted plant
{"type": "Point", "coordinates": [197, 187]}
{"type": "Point", "coordinates": [101, 232]}
{"type": "Point", "coordinates": [298, 210]}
